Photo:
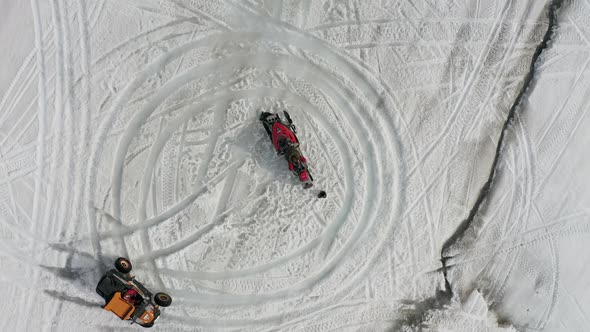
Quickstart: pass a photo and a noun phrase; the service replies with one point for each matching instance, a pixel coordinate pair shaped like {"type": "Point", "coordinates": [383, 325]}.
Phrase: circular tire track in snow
{"type": "Point", "coordinates": [346, 134]}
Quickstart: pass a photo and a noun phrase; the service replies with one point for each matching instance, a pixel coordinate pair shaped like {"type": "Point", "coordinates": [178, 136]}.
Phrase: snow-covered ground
{"type": "Point", "coordinates": [130, 128]}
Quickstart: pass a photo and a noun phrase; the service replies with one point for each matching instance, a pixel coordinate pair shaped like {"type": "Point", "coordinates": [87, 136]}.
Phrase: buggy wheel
{"type": "Point", "coordinates": [163, 299]}
{"type": "Point", "coordinates": [123, 265]}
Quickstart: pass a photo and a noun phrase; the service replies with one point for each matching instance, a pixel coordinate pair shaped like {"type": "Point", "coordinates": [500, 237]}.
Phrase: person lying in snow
{"type": "Point", "coordinates": [298, 165]}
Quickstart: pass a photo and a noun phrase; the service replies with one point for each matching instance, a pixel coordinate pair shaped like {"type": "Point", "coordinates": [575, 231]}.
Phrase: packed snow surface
{"type": "Point", "coordinates": [130, 128]}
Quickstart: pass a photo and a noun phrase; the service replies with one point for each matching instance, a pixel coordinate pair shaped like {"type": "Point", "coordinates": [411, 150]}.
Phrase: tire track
{"type": "Point", "coordinates": [218, 217]}
{"type": "Point", "coordinates": [42, 108]}
{"type": "Point", "coordinates": [63, 37]}
{"type": "Point", "coordinates": [40, 174]}
{"type": "Point", "coordinates": [69, 131]}
{"type": "Point", "coordinates": [58, 121]}
{"type": "Point", "coordinates": [545, 133]}
{"type": "Point", "coordinates": [195, 11]}
{"type": "Point", "coordinates": [562, 151]}
{"type": "Point", "coordinates": [426, 202]}
{"type": "Point", "coordinates": [142, 213]}
{"type": "Point", "coordinates": [339, 24]}
{"type": "Point", "coordinates": [528, 172]}
{"type": "Point", "coordinates": [18, 130]}
{"type": "Point", "coordinates": [558, 227]}
{"type": "Point", "coordinates": [25, 85]}
{"type": "Point", "coordinates": [27, 81]}
{"type": "Point", "coordinates": [555, 292]}
{"type": "Point", "coordinates": [306, 12]}
{"type": "Point", "coordinates": [85, 109]}
{"type": "Point", "coordinates": [23, 131]}
{"type": "Point", "coordinates": [468, 86]}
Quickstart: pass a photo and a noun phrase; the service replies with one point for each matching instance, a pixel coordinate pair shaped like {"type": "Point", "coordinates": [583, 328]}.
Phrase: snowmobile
{"type": "Point", "coordinates": [283, 137]}
{"type": "Point", "coordinates": [128, 298]}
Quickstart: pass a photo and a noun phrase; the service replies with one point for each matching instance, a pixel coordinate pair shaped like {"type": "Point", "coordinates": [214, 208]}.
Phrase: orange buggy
{"type": "Point", "coordinates": [128, 298]}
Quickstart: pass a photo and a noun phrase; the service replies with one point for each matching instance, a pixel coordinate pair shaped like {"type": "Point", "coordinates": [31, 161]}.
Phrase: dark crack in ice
{"type": "Point", "coordinates": [552, 13]}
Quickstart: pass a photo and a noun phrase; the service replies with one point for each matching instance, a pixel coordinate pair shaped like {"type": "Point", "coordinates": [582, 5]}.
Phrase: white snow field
{"type": "Point", "coordinates": [130, 128]}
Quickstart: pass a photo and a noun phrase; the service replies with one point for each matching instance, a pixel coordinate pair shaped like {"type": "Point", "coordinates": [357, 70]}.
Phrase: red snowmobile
{"type": "Point", "coordinates": [282, 135]}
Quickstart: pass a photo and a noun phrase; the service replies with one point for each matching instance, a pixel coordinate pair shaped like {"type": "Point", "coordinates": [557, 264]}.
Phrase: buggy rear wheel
{"type": "Point", "coordinates": [163, 299]}
{"type": "Point", "coordinates": [123, 265]}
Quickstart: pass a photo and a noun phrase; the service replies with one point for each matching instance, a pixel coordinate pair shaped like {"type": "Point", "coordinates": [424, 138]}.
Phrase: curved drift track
{"type": "Point", "coordinates": [256, 229]}
{"type": "Point", "coordinates": [131, 129]}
